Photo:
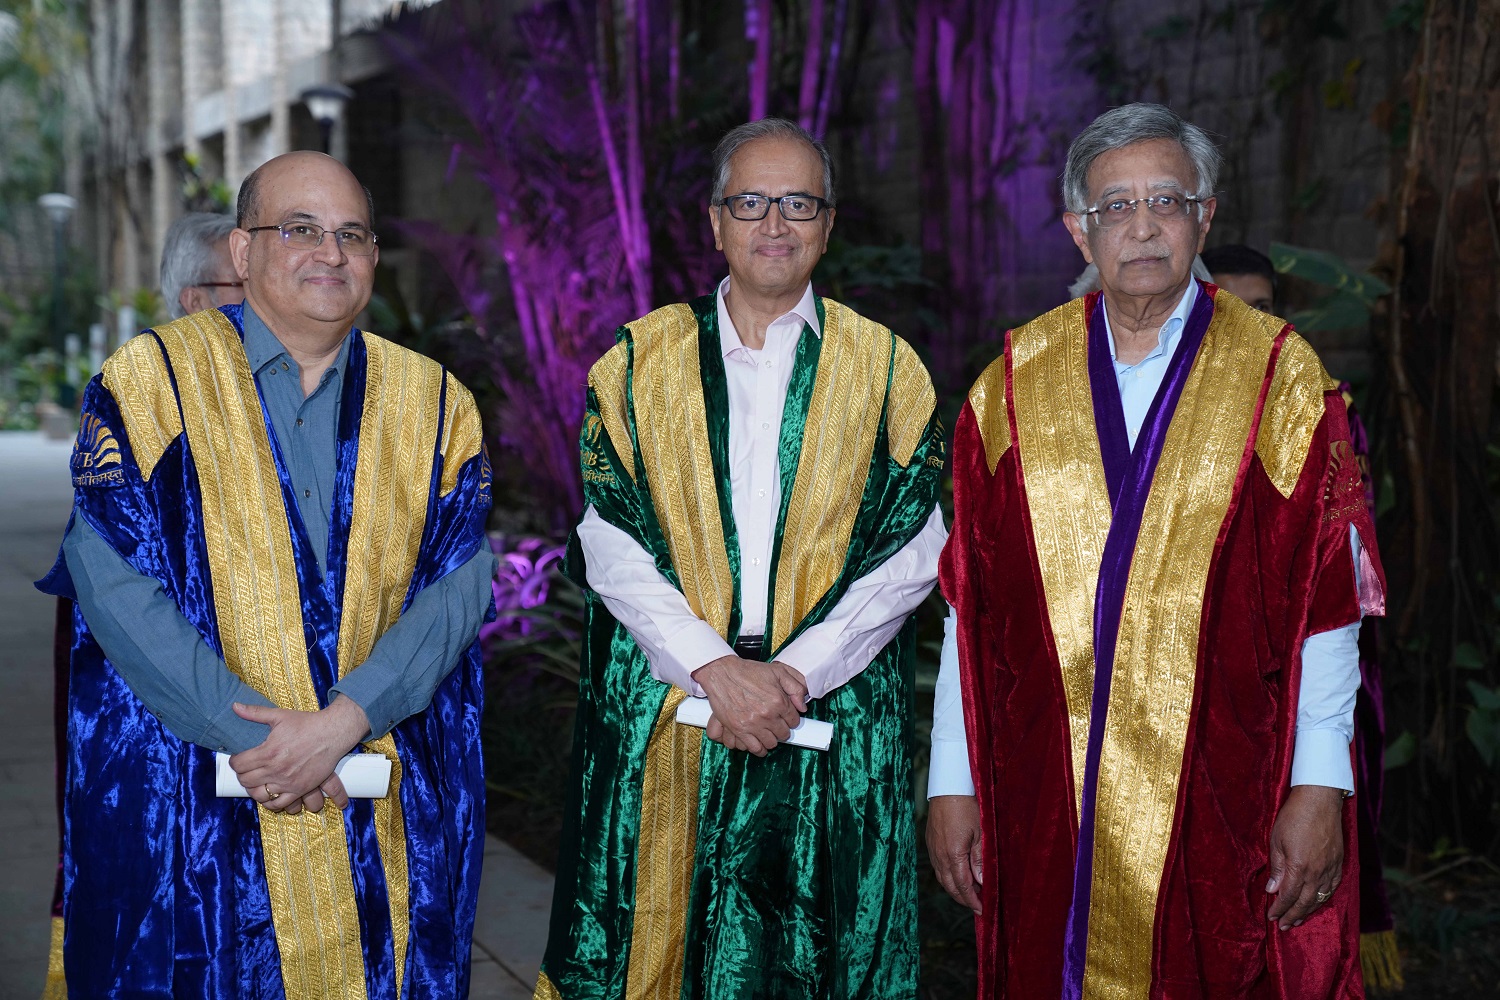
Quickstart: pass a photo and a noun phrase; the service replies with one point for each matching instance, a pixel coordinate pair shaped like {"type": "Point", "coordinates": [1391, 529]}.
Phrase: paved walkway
{"type": "Point", "coordinates": [35, 495]}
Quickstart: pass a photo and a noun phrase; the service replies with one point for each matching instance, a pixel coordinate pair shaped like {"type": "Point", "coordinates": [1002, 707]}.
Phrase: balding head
{"type": "Point", "coordinates": [247, 207]}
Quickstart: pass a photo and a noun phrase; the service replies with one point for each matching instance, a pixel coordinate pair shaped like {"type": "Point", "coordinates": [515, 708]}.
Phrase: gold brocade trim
{"type": "Point", "coordinates": [1293, 410]}
{"type": "Point", "coordinates": [838, 442]}
{"type": "Point", "coordinates": [666, 390]}
{"type": "Point", "coordinates": [909, 402]}
{"type": "Point", "coordinates": [56, 987]}
{"type": "Point", "coordinates": [1380, 960]}
{"type": "Point", "coordinates": [463, 433]}
{"type": "Point", "coordinates": [1066, 493]}
{"type": "Point", "coordinates": [136, 375]}
{"type": "Point", "coordinates": [1156, 658]}
{"type": "Point", "coordinates": [259, 612]}
{"type": "Point", "coordinates": [664, 860]}
{"type": "Point", "coordinates": [392, 473]}
{"type": "Point", "coordinates": [987, 400]}
{"type": "Point", "coordinates": [544, 989]}
{"type": "Point", "coordinates": [672, 425]}
{"type": "Point", "coordinates": [607, 379]}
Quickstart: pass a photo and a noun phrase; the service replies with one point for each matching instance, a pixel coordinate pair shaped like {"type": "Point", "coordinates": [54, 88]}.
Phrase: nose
{"type": "Point", "coordinates": [774, 224]}
{"type": "Point", "coordinates": [1143, 225]}
{"type": "Point", "coordinates": [329, 251]}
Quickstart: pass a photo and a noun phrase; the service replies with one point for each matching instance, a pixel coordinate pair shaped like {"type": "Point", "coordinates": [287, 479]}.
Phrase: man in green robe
{"type": "Point", "coordinates": [761, 468]}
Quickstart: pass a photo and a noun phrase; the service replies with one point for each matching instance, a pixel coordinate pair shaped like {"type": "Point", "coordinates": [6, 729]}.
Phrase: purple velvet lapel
{"type": "Point", "coordinates": [1129, 474]}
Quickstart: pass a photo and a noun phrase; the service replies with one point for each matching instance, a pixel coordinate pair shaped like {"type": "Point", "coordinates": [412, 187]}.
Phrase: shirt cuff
{"type": "Point", "coordinates": [695, 645]}
{"type": "Point", "coordinates": [228, 733]}
{"type": "Point", "coordinates": [373, 692]}
{"type": "Point", "coordinates": [948, 769]}
{"type": "Point", "coordinates": [1321, 757]}
{"type": "Point", "coordinates": [813, 654]}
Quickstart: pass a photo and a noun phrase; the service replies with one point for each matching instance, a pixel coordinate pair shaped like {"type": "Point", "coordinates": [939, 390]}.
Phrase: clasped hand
{"type": "Point", "coordinates": [293, 768]}
{"type": "Point", "coordinates": [755, 705]}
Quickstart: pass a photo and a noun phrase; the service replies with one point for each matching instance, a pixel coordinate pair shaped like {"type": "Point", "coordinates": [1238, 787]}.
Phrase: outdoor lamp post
{"type": "Point", "coordinates": [59, 208]}
{"type": "Point", "coordinates": [325, 103]}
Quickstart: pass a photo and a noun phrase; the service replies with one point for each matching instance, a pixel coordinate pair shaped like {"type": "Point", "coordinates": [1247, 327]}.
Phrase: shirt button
{"type": "Point", "coordinates": [770, 364]}
{"type": "Point", "coordinates": [760, 493]}
{"type": "Point", "coordinates": [306, 494]}
{"type": "Point", "coordinates": [765, 426]}
{"type": "Point", "coordinates": [299, 421]}
{"type": "Point", "coordinates": [1140, 374]}
{"type": "Point", "coordinates": [273, 369]}
{"type": "Point", "coordinates": [755, 561]}
{"type": "Point", "coordinates": [283, 366]}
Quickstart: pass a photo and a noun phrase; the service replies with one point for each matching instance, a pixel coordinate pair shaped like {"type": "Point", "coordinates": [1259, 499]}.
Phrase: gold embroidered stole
{"type": "Point", "coordinates": [257, 594]}
{"type": "Point", "coordinates": [859, 361]}
{"type": "Point", "coordinates": [1156, 660]}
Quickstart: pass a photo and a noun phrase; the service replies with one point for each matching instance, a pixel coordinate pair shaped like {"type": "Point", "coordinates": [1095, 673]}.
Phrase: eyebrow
{"type": "Point", "coordinates": [309, 217]}
{"type": "Point", "coordinates": [1169, 185]}
{"type": "Point", "coordinates": [789, 194]}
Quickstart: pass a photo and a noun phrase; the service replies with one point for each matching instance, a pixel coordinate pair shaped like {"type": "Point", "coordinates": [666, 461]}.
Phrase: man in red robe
{"type": "Point", "coordinates": [1159, 561]}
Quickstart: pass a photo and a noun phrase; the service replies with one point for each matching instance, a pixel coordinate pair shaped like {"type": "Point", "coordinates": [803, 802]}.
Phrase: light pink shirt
{"type": "Point", "coordinates": [675, 640]}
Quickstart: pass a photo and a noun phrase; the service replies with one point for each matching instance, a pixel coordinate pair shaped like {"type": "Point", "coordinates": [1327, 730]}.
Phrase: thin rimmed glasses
{"type": "Point", "coordinates": [354, 241]}
{"type": "Point", "coordinates": [1170, 205]}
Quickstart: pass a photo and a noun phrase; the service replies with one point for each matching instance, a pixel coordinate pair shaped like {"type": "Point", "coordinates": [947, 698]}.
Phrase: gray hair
{"type": "Point", "coordinates": [187, 255]}
{"type": "Point", "coordinates": [1125, 126]}
{"type": "Point", "coordinates": [766, 128]}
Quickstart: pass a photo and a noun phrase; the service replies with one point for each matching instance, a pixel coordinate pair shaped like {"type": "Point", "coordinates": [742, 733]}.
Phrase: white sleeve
{"type": "Point", "coordinates": [1325, 701]}
{"type": "Point", "coordinates": [654, 612]}
{"type": "Point", "coordinates": [948, 770]}
{"type": "Point", "coordinates": [869, 614]}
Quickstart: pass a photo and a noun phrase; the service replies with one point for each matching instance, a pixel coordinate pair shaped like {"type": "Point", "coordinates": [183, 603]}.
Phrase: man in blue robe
{"type": "Point", "coordinates": [278, 554]}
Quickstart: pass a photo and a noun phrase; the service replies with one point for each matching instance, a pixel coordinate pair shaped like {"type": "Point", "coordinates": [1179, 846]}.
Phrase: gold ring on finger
{"type": "Point", "coordinates": [1324, 896]}
{"type": "Point", "coordinates": [270, 795]}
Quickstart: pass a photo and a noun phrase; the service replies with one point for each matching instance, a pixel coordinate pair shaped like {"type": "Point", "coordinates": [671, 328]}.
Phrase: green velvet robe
{"type": "Point", "coordinates": [686, 869]}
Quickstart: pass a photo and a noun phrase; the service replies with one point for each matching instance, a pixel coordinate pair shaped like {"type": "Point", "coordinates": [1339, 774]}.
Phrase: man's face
{"type": "Point", "coordinates": [220, 285]}
{"type": "Point", "coordinates": [1255, 289]}
{"type": "Point", "coordinates": [294, 287]}
{"type": "Point", "coordinates": [1146, 254]}
{"type": "Point", "coordinates": [772, 257]}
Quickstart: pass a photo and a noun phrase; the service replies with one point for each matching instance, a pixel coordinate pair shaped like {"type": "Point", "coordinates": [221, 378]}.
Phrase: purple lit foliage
{"type": "Point", "coordinates": [522, 582]}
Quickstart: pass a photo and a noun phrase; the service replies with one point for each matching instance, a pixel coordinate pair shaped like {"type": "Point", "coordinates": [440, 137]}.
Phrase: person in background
{"type": "Point", "coordinates": [1249, 274]}
{"type": "Point", "coordinates": [196, 270]}
{"type": "Point", "coordinates": [1159, 560]}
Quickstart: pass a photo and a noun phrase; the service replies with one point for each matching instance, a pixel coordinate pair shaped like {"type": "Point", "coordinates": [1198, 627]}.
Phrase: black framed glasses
{"type": "Point", "coordinates": [354, 241]}
{"type": "Point", "coordinates": [219, 284]}
{"type": "Point", "coordinates": [793, 207]}
{"type": "Point", "coordinates": [1168, 205]}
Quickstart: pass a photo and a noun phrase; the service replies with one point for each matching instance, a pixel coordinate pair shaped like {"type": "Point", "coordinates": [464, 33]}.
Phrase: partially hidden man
{"type": "Point", "coordinates": [761, 467]}
{"type": "Point", "coordinates": [278, 552]}
{"type": "Point", "coordinates": [1161, 554]}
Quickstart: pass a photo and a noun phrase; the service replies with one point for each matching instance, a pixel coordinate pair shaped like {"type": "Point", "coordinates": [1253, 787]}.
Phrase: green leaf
{"type": "Point", "coordinates": [1401, 752]}
{"type": "Point", "coordinates": [1340, 311]}
{"type": "Point", "coordinates": [1483, 729]}
{"type": "Point", "coordinates": [1323, 268]}
{"type": "Point", "coordinates": [1485, 699]}
{"type": "Point", "coordinates": [1466, 656]}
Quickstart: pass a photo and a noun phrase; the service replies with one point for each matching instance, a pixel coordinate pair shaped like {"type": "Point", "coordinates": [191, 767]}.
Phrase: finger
{"type": "Point", "coordinates": [780, 730]}
{"type": "Point", "coordinates": [256, 713]}
{"type": "Point", "coordinates": [1307, 901]}
{"type": "Point", "coordinates": [333, 789]}
{"type": "Point", "coordinates": [1277, 863]}
{"type": "Point", "coordinates": [1293, 882]}
{"type": "Point", "coordinates": [715, 729]}
{"type": "Point", "coordinates": [294, 807]}
{"type": "Point", "coordinates": [313, 801]}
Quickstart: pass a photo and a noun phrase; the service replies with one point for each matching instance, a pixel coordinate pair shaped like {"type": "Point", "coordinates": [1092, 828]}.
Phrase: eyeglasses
{"type": "Point", "coordinates": [353, 241]}
{"type": "Point", "coordinates": [219, 284]}
{"type": "Point", "coordinates": [793, 207]}
{"type": "Point", "coordinates": [1171, 205]}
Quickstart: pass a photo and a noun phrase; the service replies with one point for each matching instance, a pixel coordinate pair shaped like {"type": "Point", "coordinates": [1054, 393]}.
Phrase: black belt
{"type": "Point", "coordinates": [750, 647]}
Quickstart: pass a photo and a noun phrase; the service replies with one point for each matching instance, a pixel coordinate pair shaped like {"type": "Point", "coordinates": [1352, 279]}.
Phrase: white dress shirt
{"type": "Point", "coordinates": [678, 642]}
{"type": "Point", "coordinates": [1330, 660]}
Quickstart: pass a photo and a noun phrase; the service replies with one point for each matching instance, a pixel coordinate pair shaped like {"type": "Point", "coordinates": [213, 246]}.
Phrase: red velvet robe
{"type": "Point", "coordinates": [1280, 570]}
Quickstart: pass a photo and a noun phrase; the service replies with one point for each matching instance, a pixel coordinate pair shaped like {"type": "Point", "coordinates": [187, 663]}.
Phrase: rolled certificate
{"type": "Point", "coordinates": [365, 776]}
{"type": "Point", "coordinates": [810, 733]}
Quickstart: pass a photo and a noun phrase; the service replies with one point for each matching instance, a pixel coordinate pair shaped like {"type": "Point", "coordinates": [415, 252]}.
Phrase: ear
{"type": "Point", "coordinates": [1205, 223]}
{"type": "Point", "coordinates": [713, 221]}
{"type": "Point", "coordinates": [239, 253]}
{"type": "Point", "coordinates": [828, 227]}
{"type": "Point", "coordinates": [1074, 222]}
{"type": "Point", "coordinates": [187, 299]}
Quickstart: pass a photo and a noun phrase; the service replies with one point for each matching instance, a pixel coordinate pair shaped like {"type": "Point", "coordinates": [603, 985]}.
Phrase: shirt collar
{"type": "Point", "coordinates": [806, 310]}
{"type": "Point", "coordinates": [1171, 330]}
{"type": "Point", "coordinates": [262, 348]}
